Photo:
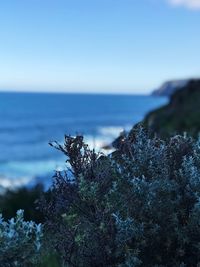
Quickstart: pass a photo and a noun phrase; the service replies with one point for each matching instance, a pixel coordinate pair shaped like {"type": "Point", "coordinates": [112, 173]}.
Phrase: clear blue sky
{"type": "Point", "coordinates": [97, 45]}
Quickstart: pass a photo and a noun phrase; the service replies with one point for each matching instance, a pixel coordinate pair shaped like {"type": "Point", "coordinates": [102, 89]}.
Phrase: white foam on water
{"type": "Point", "coordinates": [14, 174]}
{"type": "Point", "coordinates": [105, 137]}
{"type": "Point", "coordinates": [110, 131]}
{"type": "Point", "coordinates": [13, 183]}
{"type": "Point", "coordinates": [22, 173]}
{"type": "Point", "coordinates": [113, 131]}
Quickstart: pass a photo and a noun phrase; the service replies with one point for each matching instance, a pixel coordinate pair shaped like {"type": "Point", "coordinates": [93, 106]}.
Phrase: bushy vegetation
{"type": "Point", "coordinates": [139, 206]}
{"type": "Point", "coordinates": [20, 242]}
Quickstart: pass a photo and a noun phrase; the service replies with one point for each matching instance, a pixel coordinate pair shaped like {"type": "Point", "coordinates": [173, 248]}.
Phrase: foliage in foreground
{"type": "Point", "coordinates": [139, 206]}
{"type": "Point", "coordinates": [20, 242]}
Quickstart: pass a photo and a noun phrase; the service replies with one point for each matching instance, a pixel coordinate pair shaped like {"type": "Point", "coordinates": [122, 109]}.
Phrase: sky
{"type": "Point", "coordinates": [115, 46]}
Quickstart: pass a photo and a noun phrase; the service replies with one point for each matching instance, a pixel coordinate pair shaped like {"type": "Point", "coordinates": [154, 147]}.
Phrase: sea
{"type": "Point", "coordinates": [29, 121]}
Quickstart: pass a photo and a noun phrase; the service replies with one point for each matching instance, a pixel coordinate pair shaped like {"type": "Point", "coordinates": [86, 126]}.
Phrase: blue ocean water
{"type": "Point", "coordinates": [28, 121]}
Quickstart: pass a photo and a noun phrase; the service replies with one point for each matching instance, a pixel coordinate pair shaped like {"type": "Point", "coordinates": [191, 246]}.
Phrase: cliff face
{"type": "Point", "coordinates": [168, 88]}
{"type": "Point", "coordinates": [182, 114]}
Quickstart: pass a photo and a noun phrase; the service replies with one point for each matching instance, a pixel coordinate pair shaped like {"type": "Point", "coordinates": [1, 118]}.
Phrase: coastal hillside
{"type": "Point", "coordinates": [169, 87]}
{"type": "Point", "coordinates": [181, 114]}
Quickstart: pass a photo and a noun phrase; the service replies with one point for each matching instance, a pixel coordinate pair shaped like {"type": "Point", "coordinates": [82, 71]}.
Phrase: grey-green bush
{"type": "Point", "coordinates": [20, 242]}
{"type": "Point", "coordinates": [139, 206]}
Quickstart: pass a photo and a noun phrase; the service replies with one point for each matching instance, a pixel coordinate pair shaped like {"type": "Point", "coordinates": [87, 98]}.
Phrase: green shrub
{"type": "Point", "coordinates": [139, 206]}
{"type": "Point", "coordinates": [20, 242]}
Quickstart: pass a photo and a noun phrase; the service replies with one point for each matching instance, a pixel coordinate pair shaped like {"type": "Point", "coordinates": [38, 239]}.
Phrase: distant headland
{"type": "Point", "coordinates": [169, 87]}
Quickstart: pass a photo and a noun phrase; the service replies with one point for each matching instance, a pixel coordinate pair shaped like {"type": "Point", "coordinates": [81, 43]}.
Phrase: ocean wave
{"type": "Point", "coordinates": [24, 173]}
{"type": "Point", "coordinates": [30, 121]}
{"type": "Point", "coordinates": [113, 131]}
{"type": "Point", "coordinates": [14, 174]}
{"type": "Point", "coordinates": [27, 124]}
{"type": "Point", "coordinates": [105, 137]}
{"type": "Point", "coordinates": [6, 182]}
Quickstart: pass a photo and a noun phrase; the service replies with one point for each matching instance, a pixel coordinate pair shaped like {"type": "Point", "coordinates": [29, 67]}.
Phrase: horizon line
{"type": "Point", "coordinates": [74, 93]}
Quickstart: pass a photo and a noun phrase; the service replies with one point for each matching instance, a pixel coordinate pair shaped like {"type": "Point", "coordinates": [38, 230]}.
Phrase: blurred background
{"type": "Point", "coordinates": [85, 67]}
